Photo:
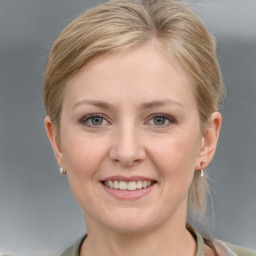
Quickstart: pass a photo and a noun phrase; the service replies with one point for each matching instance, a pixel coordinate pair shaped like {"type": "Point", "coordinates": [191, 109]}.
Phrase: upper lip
{"type": "Point", "coordinates": [127, 179]}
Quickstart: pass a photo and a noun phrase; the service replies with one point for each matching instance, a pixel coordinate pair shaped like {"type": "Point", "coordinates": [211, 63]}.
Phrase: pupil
{"type": "Point", "coordinates": [159, 120]}
{"type": "Point", "coordinates": [97, 120]}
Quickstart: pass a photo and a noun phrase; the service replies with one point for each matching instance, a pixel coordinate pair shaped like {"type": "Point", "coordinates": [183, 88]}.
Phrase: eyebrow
{"type": "Point", "coordinates": [160, 103]}
{"type": "Point", "coordinates": [96, 103]}
{"type": "Point", "coordinates": [146, 105]}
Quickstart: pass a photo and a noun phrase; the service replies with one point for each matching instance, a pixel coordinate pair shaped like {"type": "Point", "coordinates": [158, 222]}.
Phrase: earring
{"type": "Point", "coordinates": [63, 170]}
{"type": "Point", "coordinates": [202, 170]}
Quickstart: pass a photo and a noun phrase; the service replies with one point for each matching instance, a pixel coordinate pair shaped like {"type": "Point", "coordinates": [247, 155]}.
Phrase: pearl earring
{"type": "Point", "coordinates": [63, 170]}
{"type": "Point", "coordinates": [202, 170]}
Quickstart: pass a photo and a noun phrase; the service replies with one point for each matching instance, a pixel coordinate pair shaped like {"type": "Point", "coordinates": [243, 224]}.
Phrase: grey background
{"type": "Point", "coordinates": [38, 215]}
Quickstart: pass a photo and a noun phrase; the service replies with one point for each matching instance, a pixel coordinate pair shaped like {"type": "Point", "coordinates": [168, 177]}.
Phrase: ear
{"type": "Point", "coordinates": [209, 140]}
{"type": "Point", "coordinates": [54, 140]}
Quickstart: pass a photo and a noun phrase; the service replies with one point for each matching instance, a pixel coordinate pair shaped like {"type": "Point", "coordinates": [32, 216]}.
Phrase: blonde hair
{"type": "Point", "coordinates": [120, 24]}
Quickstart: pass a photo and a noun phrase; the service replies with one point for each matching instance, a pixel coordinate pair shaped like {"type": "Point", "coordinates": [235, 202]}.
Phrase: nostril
{"type": "Point", "coordinates": [127, 149]}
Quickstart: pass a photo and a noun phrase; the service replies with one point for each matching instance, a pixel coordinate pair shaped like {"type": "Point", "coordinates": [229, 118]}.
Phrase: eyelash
{"type": "Point", "coordinates": [170, 120]}
{"type": "Point", "coordinates": [84, 120]}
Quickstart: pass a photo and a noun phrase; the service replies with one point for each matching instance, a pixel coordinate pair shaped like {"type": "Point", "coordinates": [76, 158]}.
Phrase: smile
{"type": "Point", "coordinates": [131, 185]}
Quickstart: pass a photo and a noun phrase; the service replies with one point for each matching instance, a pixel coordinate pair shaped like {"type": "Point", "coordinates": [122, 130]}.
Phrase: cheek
{"type": "Point", "coordinates": [82, 155]}
{"type": "Point", "coordinates": [83, 158]}
{"type": "Point", "coordinates": [176, 156]}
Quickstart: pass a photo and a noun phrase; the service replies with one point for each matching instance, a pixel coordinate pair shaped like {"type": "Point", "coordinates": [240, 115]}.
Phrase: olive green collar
{"type": "Point", "coordinates": [75, 249]}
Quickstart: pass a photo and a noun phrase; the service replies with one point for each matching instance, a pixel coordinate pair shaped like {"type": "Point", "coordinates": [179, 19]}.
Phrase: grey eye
{"type": "Point", "coordinates": [93, 120]}
{"type": "Point", "coordinates": [159, 120]}
{"type": "Point", "coordinates": [97, 120]}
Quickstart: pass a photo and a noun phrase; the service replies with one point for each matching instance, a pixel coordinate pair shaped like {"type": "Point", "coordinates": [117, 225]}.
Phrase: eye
{"type": "Point", "coordinates": [161, 120]}
{"type": "Point", "coordinates": [94, 120]}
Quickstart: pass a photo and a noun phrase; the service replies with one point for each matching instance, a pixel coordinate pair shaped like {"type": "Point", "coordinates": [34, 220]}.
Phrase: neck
{"type": "Point", "coordinates": [163, 241]}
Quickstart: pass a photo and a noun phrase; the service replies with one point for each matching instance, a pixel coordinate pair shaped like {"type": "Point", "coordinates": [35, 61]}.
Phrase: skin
{"type": "Point", "coordinates": [129, 89]}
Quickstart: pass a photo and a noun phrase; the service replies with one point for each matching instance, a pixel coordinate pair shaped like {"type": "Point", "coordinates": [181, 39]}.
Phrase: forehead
{"type": "Point", "coordinates": [144, 70]}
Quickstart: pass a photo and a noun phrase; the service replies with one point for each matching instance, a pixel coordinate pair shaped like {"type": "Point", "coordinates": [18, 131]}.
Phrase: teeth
{"type": "Point", "coordinates": [123, 185]}
{"type": "Point", "coordinates": [144, 184]}
{"type": "Point", "coordinates": [139, 184]}
{"type": "Point", "coordinates": [131, 185]}
{"type": "Point", "coordinates": [111, 184]}
{"type": "Point", "coordinates": [116, 184]}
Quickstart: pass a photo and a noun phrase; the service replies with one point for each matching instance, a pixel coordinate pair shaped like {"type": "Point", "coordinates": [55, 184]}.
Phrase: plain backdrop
{"type": "Point", "coordinates": [38, 215]}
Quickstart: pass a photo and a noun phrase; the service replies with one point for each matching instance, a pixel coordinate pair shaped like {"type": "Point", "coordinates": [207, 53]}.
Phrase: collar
{"type": "Point", "coordinates": [75, 249]}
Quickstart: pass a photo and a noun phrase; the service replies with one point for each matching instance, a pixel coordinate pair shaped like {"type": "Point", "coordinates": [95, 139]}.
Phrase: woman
{"type": "Point", "coordinates": [131, 92]}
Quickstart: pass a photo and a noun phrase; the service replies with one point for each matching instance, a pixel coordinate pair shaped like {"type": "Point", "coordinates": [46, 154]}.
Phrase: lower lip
{"type": "Point", "coordinates": [128, 194]}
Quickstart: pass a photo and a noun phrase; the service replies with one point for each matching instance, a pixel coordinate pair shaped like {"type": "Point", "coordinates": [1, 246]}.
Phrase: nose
{"type": "Point", "coordinates": [127, 147]}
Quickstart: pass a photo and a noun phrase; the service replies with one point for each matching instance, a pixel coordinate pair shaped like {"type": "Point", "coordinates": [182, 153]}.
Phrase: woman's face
{"type": "Point", "coordinates": [130, 140]}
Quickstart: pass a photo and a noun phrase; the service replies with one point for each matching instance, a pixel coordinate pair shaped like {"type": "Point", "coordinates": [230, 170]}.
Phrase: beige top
{"type": "Point", "coordinates": [225, 249]}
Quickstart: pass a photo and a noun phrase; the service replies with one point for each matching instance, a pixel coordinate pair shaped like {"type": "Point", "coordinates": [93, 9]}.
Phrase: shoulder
{"type": "Point", "coordinates": [238, 250]}
{"type": "Point", "coordinates": [74, 250]}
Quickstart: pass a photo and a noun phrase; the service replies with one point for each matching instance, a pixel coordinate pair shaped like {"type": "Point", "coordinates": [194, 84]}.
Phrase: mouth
{"type": "Point", "coordinates": [128, 185]}
{"type": "Point", "coordinates": [128, 188]}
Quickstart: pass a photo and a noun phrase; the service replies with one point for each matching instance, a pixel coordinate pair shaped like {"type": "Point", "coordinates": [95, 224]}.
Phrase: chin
{"type": "Point", "coordinates": [130, 221]}
{"type": "Point", "coordinates": [129, 228]}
